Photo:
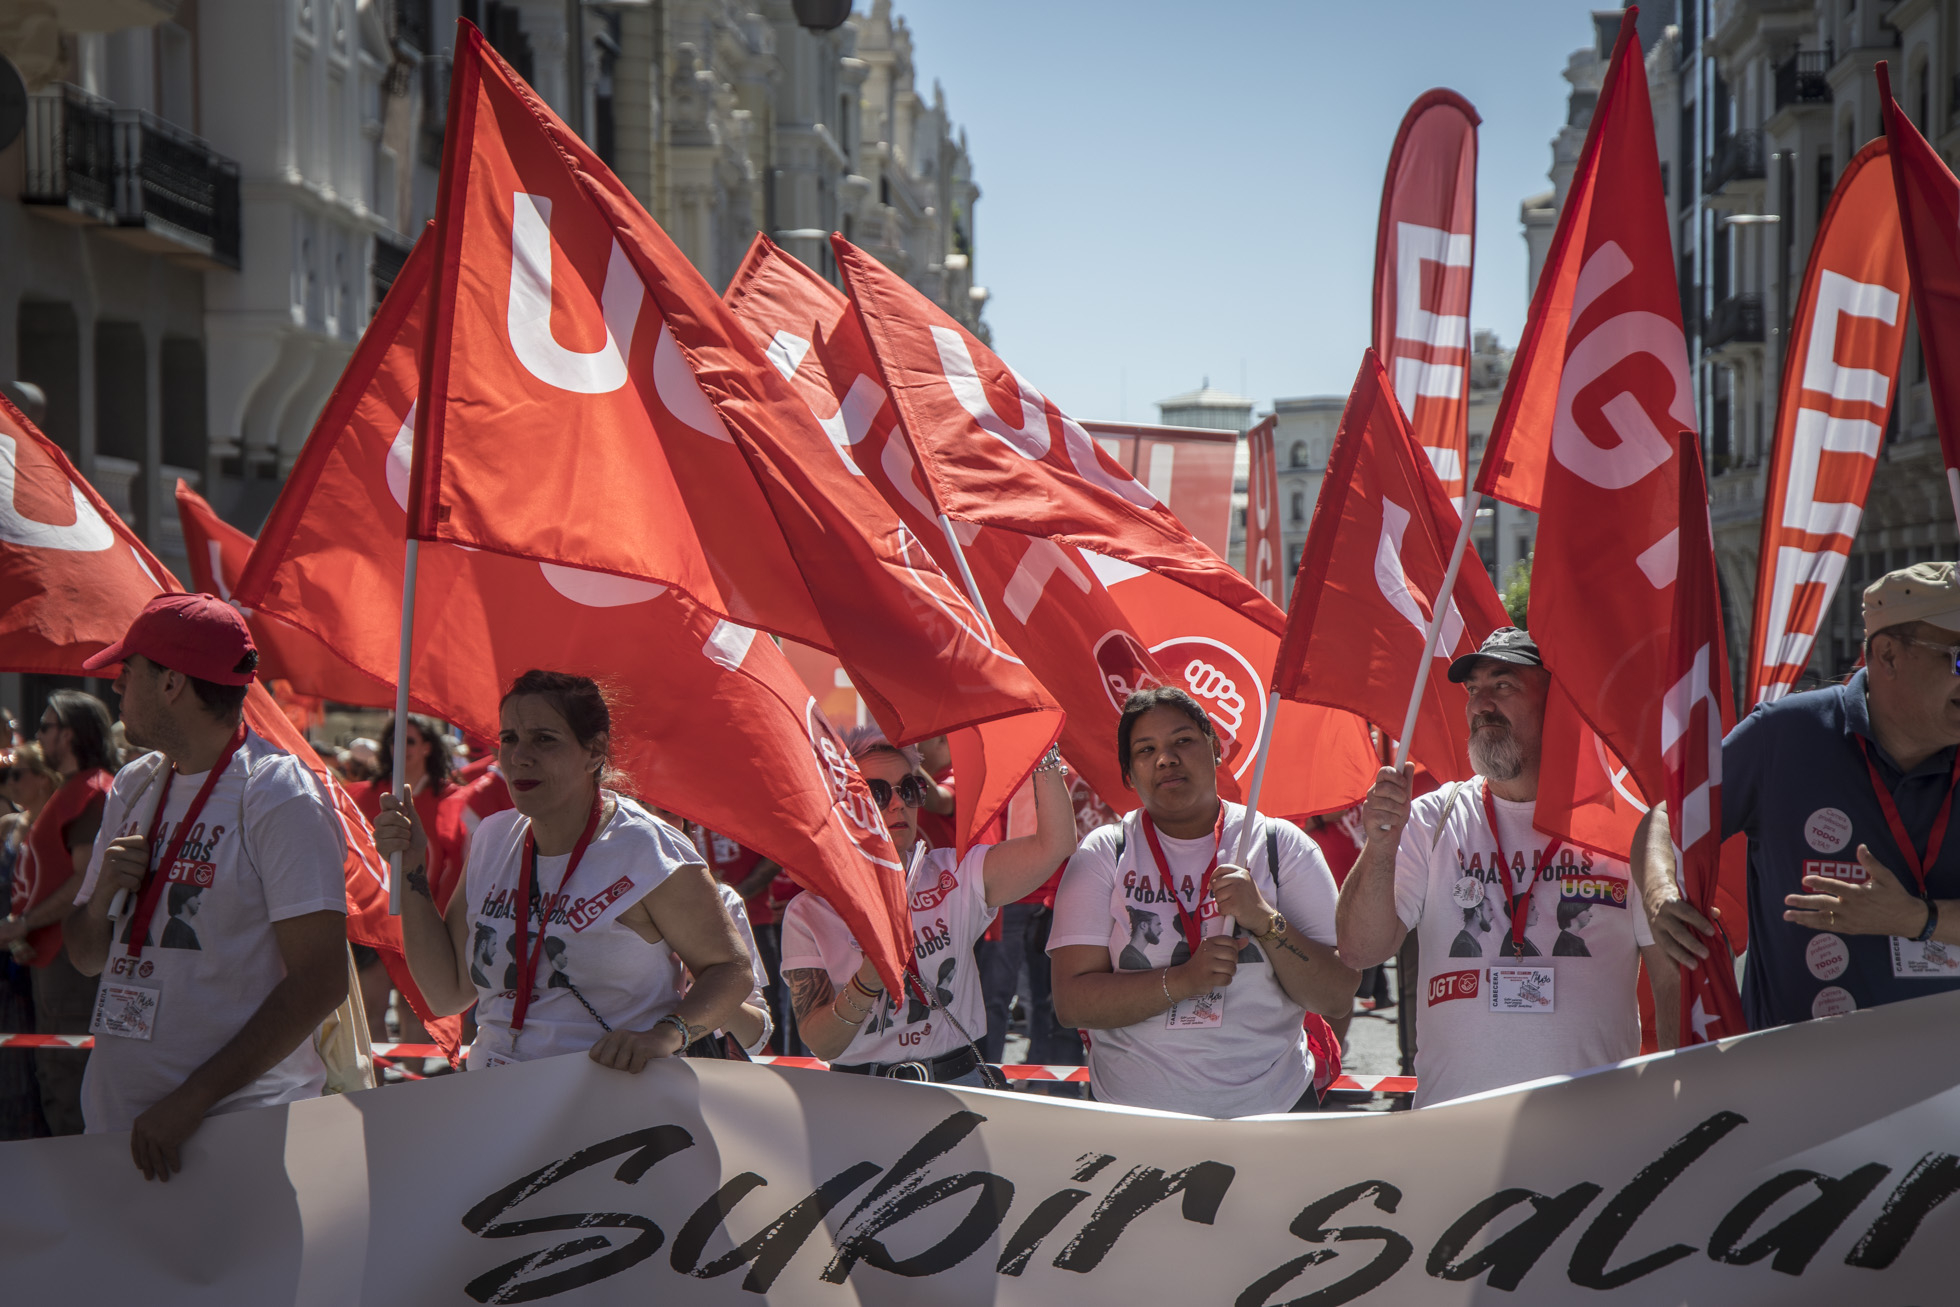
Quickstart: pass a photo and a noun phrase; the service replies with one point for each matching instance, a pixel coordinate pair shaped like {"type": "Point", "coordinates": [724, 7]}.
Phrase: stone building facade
{"type": "Point", "coordinates": [180, 301]}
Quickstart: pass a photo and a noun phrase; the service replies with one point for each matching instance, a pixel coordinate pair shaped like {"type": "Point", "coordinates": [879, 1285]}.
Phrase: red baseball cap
{"type": "Point", "coordinates": [196, 634]}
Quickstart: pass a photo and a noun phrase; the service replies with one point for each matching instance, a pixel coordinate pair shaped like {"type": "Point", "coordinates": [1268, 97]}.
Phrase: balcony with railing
{"type": "Point", "coordinates": [159, 187]}
{"type": "Point", "coordinates": [1803, 78]}
{"type": "Point", "coordinates": [1736, 320]}
{"type": "Point", "coordinates": [1737, 157]}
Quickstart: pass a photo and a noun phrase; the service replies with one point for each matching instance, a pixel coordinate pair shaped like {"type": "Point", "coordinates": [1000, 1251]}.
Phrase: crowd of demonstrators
{"type": "Point", "coordinates": [75, 744]}
{"type": "Point", "coordinates": [1185, 1011]}
{"type": "Point", "coordinates": [1529, 947]}
{"type": "Point", "coordinates": [578, 908]}
{"type": "Point", "coordinates": [26, 784]}
{"type": "Point", "coordinates": [1845, 795]}
{"type": "Point", "coordinates": [842, 1008]}
{"type": "Point", "coordinates": [214, 903]}
{"type": "Point", "coordinates": [427, 766]}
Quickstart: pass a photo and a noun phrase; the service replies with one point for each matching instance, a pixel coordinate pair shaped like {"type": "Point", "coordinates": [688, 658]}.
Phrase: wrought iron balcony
{"type": "Point", "coordinates": [1740, 156]}
{"type": "Point", "coordinates": [1802, 78]}
{"type": "Point", "coordinates": [161, 187]}
{"type": "Point", "coordinates": [1737, 319]}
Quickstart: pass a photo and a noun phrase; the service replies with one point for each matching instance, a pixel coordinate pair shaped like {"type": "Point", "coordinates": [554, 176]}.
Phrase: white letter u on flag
{"type": "Point", "coordinates": [603, 370]}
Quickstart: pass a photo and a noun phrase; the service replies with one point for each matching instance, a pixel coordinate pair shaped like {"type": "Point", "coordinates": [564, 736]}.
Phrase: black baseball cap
{"type": "Point", "coordinates": [1507, 644]}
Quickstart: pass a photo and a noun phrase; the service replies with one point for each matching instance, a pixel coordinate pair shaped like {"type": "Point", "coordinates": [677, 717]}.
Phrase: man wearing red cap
{"type": "Point", "coordinates": [214, 906]}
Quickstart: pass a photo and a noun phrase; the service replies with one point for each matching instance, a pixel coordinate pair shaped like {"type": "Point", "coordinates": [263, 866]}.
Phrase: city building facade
{"type": "Point", "coordinates": [212, 196]}
{"type": "Point", "coordinates": [1758, 106]}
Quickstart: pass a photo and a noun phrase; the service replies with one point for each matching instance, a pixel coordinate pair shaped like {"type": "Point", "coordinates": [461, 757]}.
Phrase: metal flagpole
{"type": "Point", "coordinates": [401, 712]}
{"type": "Point", "coordinates": [1440, 607]}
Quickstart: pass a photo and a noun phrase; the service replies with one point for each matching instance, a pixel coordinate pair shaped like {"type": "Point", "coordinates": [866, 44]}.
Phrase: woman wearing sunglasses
{"type": "Point", "coordinates": [841, 1006]}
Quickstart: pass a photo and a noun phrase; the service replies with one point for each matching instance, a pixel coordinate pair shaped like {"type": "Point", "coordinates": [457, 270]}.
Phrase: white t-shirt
{"type": "Point", "coordinates": [266, 848]}
{"type": "Point", "coordinates": [628, 981]}
{"type": "Point", "coordinates": [1256, 1059]}
{"type": "Point", "coordinates": [948, 898]}
{"type": "Point", "coordinates": [733, 902]}
{"type": "Point", "coordinates": [1584, 923]}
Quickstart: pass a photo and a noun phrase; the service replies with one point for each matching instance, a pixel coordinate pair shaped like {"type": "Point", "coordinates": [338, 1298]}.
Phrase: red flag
{"type": "Point", "coordinates": [1695, 716]}
{"type": "Point", "coordinates": [218, 552]}
{"type": "Point", "coordinates": [1263, 565]}
{"type": "Point", "coordinates": [1189, 469]}
{"type": "Point", "coordinates": [519, 182]}
{"type": "Point", "coordinates": [994, 451]}
{"type": "Point", "coordinates": [1091, 627]}
{"type": "Point", "coordinates": [1590, 434]}
{"type": "Point", "coordinates": [72, 579]}
{"type": "Point", "coordinates": [715, 724]}
{"type": "Point", "coordinates": [1202, 622]}
{"type": "Point", "coordinates": [1929, 216]}
{"type": "Point", "coordinates": [1044, 598]}
{"type": "Point", "coordinates": [1840, 375]}
{"type": "Point", "coordinates": [1375, 558]}
{"type": "Point", "coordinates": [1423, 250]}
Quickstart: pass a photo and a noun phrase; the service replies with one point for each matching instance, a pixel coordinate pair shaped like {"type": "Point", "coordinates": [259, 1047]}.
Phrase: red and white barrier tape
{"type": "Point", "coordinates": [1012, 1070]}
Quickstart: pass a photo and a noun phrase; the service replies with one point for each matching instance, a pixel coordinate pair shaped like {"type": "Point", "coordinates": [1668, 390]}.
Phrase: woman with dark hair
{"type": "Point", "coordinates": [1199, 1017]}
{"type": "Point", "coordinates": [841, 1006]}
{"type": "Point", "coordinates": [426, 768]}
{"type": "Point", "coordinates": [585, 905]}
{"type": "Point", "coordinates": [75, 739]}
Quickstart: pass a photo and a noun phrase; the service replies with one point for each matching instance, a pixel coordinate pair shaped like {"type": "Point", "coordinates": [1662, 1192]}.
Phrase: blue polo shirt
{"type": "Point", "coordinates": [1794, 779]}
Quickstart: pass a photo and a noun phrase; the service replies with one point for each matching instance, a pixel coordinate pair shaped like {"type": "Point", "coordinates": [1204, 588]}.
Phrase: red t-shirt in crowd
{"type": "Point", "coordinates": [732, 863]}
{"type": "Point", "coordinates": [1339, 836]}
{"type": "Point", "coordinates": [447, 837]}
{"type": "Point", "coordinates": [44, 862]}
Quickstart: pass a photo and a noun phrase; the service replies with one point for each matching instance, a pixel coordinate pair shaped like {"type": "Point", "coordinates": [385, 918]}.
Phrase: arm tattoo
{"type": "Point", "coordinates": [1287, 944]}
{"type": "Point", "coordinates": [418, 883]}
{"type": "Point", "coordinates": [809, 989]}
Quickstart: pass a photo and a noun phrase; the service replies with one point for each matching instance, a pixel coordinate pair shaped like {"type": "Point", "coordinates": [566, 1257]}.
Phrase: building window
{"type": "Point", "coordinates": [1293, 559]}
{"type": "Point", "coordinates": [1299, 505]}
{"type": "Point", "coordinates": [1297, 456]}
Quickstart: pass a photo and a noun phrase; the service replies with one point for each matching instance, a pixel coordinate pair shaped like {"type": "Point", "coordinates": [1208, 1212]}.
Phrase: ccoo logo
{"type": "Point", "coordinates": [850, 800]}
{"type": "Point", "coordinates": [1212, 672]}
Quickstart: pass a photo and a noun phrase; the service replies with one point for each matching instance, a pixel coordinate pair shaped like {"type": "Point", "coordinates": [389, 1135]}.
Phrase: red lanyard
{"type": "Point", "coordinates": [1512, 895]}
{"type": "Point", "coordinates": [146, 902]}
{"type": "Point", "coordinates": [1907, 850]}
{"type": "Point", "coordinates": [527, 888]}
{"type": "Point", "coordinates": [1192, 921]}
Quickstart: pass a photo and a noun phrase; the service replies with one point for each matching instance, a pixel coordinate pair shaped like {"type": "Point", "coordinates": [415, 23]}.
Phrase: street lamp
{"type": "Point", "coordinates": [822, 15]}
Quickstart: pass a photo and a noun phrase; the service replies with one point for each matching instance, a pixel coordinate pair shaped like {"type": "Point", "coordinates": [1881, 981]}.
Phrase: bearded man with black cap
{"type": "Point", "coordinates": [1528, 1003]}
{"type": "Point", "coordinates": [235, 831]}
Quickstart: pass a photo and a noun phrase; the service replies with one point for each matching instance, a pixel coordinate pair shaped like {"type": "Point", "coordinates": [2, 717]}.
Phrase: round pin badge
{"type": "Point", "coordinates": [1468, 892]}
{"type": "Point", "coordinates": [1827, 956]}
{"type": "Point", "coordinates": [1832, 1001]}
{"type": "Point", "coordinates": [1828, 830]}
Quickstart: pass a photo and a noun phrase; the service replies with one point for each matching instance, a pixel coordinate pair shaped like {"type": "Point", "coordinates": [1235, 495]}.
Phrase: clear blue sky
{"type": "Point", "coordinates": [1172, 191]}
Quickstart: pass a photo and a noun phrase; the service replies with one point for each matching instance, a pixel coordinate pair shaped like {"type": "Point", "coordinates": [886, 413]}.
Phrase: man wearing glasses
{"type": "Point", "coordinates": [1845, 794]}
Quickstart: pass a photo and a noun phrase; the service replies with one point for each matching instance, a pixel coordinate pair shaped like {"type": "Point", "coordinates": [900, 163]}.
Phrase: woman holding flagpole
{"type": "Point", "coordinates": [577, 908]}
{"type": "Point", "coordinates": [927, 1033]}
{"type": "Point", "coordinates": [1192, 976]}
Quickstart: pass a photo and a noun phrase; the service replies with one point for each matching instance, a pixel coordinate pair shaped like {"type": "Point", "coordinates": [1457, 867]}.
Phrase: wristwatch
{"type": "Point", "coordinates": [1277, 930]}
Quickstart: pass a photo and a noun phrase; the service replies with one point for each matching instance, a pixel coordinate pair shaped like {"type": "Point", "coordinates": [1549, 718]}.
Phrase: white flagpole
{"type": "Point", "coordinates": [1264, 745]}
{"type": "Point", "coordinates": [966, 573]}
{"type": "Point", "coordinates": [1435, 631]}
{"type": "Point", "coordinates": [401, 712]}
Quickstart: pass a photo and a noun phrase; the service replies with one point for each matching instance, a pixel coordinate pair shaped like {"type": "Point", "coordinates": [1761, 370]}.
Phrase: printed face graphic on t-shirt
{"type": "Point", "coordinates": [194, 873]}
{"type": "Point", "coordinates": [483, 954]}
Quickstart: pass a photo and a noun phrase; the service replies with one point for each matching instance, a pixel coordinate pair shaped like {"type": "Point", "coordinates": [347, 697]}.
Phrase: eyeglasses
{"type": "Point", "coordinates": [1952, 651]}
{"type": "Point", "coordinates": [911, 792]}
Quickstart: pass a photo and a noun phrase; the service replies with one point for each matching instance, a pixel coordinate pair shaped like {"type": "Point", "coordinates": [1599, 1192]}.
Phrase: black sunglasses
{"type": "Point", "coordinates": [911, 792]}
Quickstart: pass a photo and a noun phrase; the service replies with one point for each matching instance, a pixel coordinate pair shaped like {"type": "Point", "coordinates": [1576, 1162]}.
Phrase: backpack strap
{"type": "Point", "coordinates": [1272, 852]}
{"type": "Point", "coordinates": [1449, 805]}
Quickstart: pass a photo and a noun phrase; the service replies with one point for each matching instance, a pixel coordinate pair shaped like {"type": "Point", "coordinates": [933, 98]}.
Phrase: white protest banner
{"type": "Point", "coordinates": [1810, 1164]}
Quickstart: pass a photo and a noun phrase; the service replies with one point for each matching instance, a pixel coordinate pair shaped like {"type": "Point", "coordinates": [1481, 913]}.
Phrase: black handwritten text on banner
{"type": "Point", "coordinates": [1732, 1174]}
